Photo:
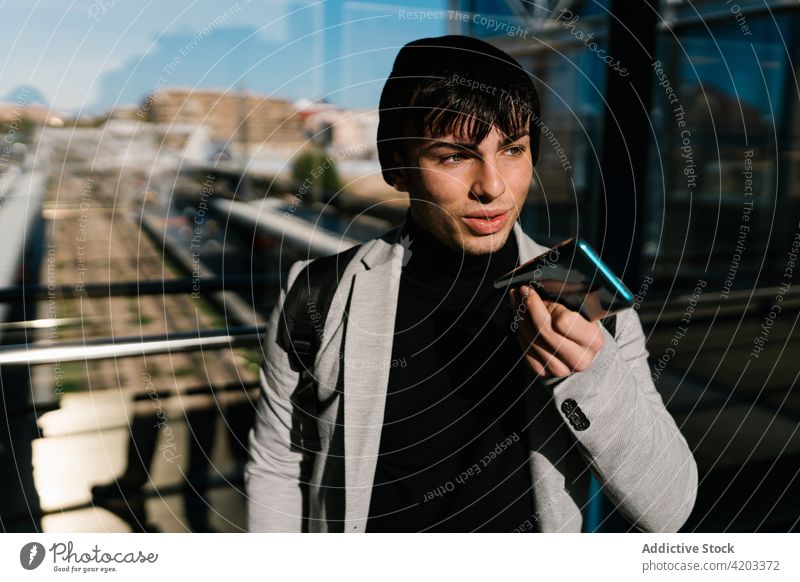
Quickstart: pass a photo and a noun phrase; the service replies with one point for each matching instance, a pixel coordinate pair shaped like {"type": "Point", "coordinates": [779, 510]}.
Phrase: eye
{"type": "Point", "coordinates": [516, 150]}
{"type": "Point", "coordinates": [452, 159]}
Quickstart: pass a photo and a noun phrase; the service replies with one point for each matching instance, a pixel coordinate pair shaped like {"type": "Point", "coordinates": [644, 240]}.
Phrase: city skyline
{"type": "Point", "coordinates": [86, 57]}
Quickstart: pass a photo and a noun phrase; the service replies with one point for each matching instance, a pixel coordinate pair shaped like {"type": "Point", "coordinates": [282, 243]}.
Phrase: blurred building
{"type": "Point", "coordinates": [125, 113]}
{"type": "Point", "coordinates": [345, 133]}
{"type": "Point", "coordinates": [15, 113]}
{"type": "Point", "coordinates": [241, 123]}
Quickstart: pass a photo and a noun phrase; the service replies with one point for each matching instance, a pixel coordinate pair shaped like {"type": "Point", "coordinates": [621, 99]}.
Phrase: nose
{"type": "Point", "coordinates": [488, 181]}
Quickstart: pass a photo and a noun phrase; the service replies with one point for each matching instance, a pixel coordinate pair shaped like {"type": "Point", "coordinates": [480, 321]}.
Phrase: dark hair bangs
{"type": "Point", "coordinates": [445, 108]}
{"type": "Point", "coordinates": [453, 85]}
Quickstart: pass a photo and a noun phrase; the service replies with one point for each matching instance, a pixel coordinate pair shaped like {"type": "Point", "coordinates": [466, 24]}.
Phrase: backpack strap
{"type": "Point", "coordinates": [299, 334]}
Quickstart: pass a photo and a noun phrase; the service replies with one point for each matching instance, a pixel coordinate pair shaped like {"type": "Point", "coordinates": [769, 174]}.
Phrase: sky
{"type": "Point", "coordinates": [85, 56]}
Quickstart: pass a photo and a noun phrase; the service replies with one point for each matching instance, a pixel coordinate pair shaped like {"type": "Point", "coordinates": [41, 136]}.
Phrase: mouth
{"type": "Point", "coordinates": [487, 224]}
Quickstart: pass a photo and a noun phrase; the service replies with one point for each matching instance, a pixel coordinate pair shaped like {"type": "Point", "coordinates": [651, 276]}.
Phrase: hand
{"type": "Point", "coordinates": [556, 341]}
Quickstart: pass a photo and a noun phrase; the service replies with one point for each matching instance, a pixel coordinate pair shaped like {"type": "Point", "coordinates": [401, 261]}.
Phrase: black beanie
{"type": "Point", "coordinates": [428, 61]}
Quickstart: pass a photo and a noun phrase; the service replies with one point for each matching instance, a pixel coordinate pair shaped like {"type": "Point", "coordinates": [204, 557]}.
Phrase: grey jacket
{"type": "Point", "coordinates": [625, 436]}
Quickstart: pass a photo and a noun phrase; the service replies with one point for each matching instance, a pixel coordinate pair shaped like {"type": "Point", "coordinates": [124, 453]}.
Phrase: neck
{"type": "Point", "coordinates": [437, 264]}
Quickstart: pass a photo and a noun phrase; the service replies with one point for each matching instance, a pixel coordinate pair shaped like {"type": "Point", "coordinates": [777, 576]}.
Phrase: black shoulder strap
{"type": "Point", "coordinates": [299, 333]}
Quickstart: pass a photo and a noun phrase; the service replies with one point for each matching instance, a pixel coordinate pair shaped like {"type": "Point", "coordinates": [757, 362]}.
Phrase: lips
{"type": "Point", "coordinates": [486, 222]}
{"type": "Point", "coordinates": [486, 213]}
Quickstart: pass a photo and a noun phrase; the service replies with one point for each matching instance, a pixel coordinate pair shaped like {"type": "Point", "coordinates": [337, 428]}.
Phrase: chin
{"type": "Point", "coordinates": [482, 245]}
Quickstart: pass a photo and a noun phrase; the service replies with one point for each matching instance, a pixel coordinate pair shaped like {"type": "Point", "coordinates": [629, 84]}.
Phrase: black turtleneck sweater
{"type": "Point", "coordinates": [452, 451]}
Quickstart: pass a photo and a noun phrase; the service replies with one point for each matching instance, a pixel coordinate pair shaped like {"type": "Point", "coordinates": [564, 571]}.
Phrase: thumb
{"type": "Point", "coordinates": [554, 307]}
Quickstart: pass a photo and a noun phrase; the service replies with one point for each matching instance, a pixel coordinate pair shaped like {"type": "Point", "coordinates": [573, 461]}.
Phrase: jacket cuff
{"type": "Point", "coordinates": [579, 388]}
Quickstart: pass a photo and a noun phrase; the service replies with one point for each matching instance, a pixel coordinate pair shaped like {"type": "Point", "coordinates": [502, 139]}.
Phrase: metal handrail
{"type": "Point", "coordinates": [143, 287]}
{"type": "Point", "coordinates": [131, 346]}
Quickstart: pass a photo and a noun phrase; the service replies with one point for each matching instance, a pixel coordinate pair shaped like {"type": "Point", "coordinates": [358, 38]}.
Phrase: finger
{"type": "Point", "coordinates": [537, 311]}
{"type": "Point", "coordinates": [556, 360]}
{"type": "Point", "coordinates": [535, 365]}
{"type": "Point", "coordinates": [550, 305]}
{"type": "Point", "coordinates": [558, 353]}
{"type": "Point", "coordinates": [512, 293]}
{"type": "Point", "coordinates": [543, 362]}
{"type": "Point", "coordinates": [576, 357]}
{"type": "Point", "coordinates": [574, 326]}
{"type": "Point", "coordinates": [543, 332]}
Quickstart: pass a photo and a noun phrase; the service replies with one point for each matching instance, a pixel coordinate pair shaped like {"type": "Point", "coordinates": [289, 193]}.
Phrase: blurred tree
{"type": "Point", "coordinates": [315, 175]}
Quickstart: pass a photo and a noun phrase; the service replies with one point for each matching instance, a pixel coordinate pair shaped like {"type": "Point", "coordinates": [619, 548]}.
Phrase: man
{"type": "Point", "coordinates": [447, 405]}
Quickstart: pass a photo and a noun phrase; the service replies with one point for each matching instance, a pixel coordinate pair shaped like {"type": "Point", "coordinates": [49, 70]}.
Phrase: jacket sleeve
{"type": "Point", "coordinates": [625, 432]}
{"type": "Point", "coordinates": [272, 473]}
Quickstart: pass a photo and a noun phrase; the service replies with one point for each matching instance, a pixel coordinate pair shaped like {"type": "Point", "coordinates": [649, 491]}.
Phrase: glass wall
{"type": "Point", "coordinates": [720, 177]}
{"type": "Point", "coordinates": [559, 46]}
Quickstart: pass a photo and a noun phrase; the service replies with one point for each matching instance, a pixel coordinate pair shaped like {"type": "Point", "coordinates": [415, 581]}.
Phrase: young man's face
{"type": "Point", "coordinates": [449, 181]}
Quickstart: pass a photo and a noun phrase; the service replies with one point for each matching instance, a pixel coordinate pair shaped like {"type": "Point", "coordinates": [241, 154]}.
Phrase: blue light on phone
{"type": "Point", "coordinates": [606, 271]}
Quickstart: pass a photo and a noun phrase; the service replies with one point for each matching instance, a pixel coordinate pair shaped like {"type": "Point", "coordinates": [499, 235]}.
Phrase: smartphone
{"type": "Point", "coordinates": [571, 273]}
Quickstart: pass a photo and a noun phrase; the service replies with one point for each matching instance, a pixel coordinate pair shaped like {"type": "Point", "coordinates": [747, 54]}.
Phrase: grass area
{"type": "Point", "coordinates": [183, 372]}
{"type": "Point", "coordinates": [217, 320]}
{"type": "Point", "coordinates": [137, 316]}
{"type": "Point", "coordinates": [251, 357]}
{"type": "Point", "coordinates": [71, 378]}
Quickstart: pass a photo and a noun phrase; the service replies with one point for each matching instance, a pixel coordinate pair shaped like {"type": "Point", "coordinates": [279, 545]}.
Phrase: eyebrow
{"type": "Point", "coordinates": [470, 146]}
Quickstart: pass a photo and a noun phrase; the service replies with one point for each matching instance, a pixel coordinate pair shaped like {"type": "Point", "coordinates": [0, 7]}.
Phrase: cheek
{"type": "Point", "coordinates": [445, 187]}
{"type": "Point", "coordinates": [519, 186]}
{"type": "Point", "coordinates": [520, 177]}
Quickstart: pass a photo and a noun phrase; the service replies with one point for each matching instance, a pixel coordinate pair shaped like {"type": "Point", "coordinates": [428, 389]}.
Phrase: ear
{"type": "Point", "coordinates": [399, 176]}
